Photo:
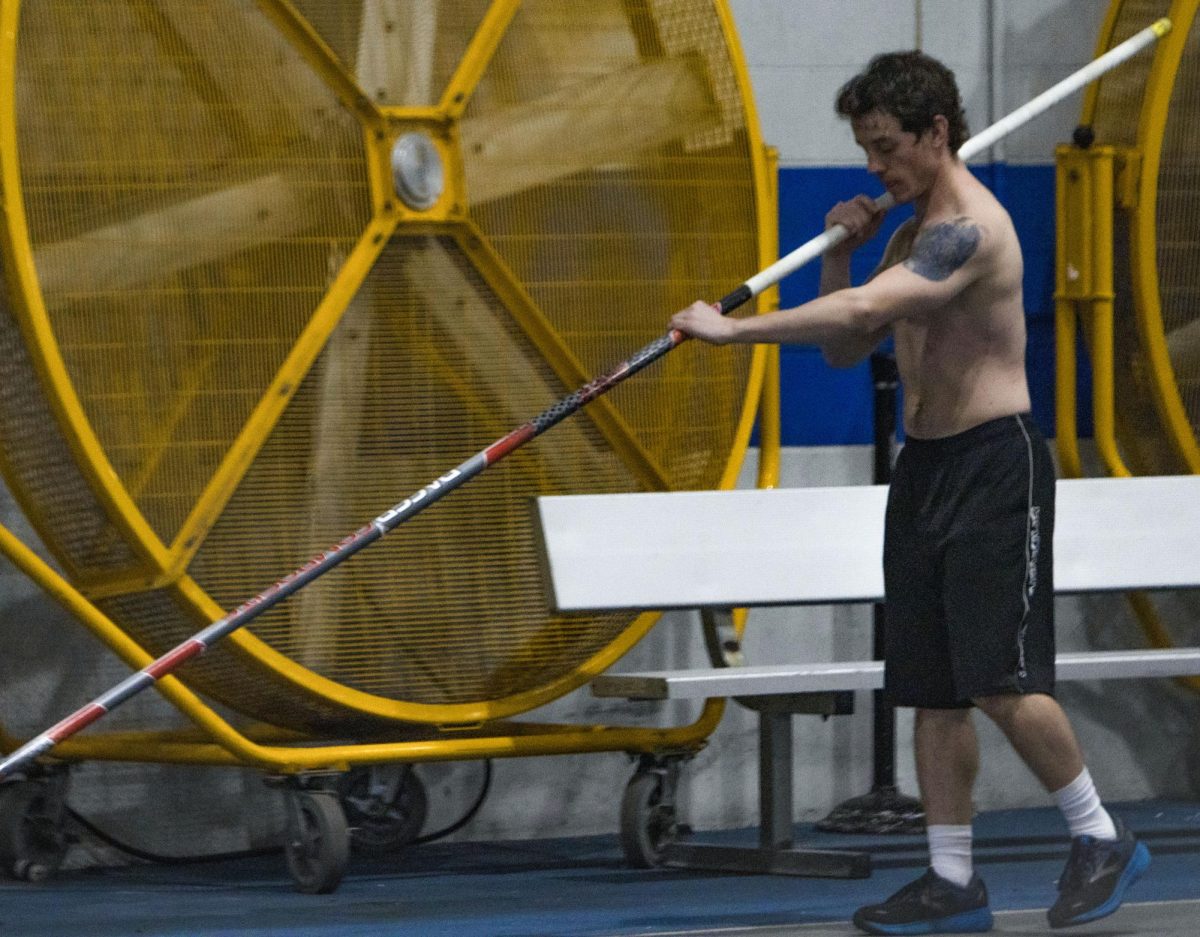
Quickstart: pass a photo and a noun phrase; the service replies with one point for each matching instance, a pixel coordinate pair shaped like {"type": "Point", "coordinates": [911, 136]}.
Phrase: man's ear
{"type": "Point", "coordinates": [940, 130]}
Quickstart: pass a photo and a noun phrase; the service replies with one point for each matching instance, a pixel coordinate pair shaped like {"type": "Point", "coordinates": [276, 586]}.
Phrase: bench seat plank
{"type": "Point", "coordinates": [782, 679]}
{"type": "Point", "coordinates": [798, 546]}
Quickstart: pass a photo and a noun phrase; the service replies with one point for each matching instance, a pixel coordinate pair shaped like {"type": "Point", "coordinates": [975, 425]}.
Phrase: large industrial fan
{"type": "Point", "coordinates": [271, 265]}
{"type": "Point", "coordinates": [1129, 269]}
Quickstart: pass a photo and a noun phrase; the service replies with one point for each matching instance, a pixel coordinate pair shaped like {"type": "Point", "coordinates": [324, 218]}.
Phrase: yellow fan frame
{"type": "Point", "coordinates": [468, 730]}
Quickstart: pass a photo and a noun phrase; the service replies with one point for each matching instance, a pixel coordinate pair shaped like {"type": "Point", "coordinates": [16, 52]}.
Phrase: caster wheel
{"type": "Point", "coordinates": [648, 821]}
{"type": "Point", "coordinates": [385, 806]}
{"type": "Point", "coordinates": [318, 842]}
{"type": "Point", "coordinates": [33, 841]}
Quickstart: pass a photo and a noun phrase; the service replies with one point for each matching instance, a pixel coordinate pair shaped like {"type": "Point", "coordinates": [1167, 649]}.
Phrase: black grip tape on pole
{"type": "Point", "coordinates": [738, 297]}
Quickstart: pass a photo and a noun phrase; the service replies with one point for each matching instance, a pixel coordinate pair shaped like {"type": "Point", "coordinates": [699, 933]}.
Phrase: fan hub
{"type": "Point", "coordinates": [418, 173]}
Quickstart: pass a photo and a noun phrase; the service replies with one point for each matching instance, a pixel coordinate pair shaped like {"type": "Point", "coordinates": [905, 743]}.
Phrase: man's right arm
{"type": "Point", "coordinates": [835, 272]}
{"type": "Point", "coordinates": [861, 219]}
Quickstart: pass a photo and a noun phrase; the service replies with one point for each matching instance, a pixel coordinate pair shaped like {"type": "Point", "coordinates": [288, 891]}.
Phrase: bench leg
{"type": "Point", "coordinates": [775, 780]}
{"type": "Point", "coordinates": [774, 855]}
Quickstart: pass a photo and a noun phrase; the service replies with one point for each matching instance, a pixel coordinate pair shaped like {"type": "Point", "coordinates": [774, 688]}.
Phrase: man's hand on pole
{"type": "Point", "coordinates": [705, 322]}
{"type": "Point", "coordinates": [861, 217]}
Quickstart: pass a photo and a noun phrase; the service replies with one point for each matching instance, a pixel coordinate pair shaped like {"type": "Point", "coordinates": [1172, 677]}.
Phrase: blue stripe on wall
{"type": "Point", "coordinates": [823, 406]}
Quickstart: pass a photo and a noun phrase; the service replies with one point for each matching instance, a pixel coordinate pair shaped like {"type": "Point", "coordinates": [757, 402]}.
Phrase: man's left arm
{"type": "Point", "coordinates": [945, 259]}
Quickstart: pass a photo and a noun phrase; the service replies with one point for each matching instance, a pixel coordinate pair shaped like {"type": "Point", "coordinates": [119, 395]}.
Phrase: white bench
{"type": "Point", "coordinates": [801, 546]}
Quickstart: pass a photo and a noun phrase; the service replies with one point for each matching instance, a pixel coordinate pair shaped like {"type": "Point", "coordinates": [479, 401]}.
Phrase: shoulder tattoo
{"type": "Point", "coordinates": [941, 249]}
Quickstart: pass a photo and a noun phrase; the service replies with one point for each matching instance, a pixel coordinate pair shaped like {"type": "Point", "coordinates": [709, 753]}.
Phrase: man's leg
{"type": "Point", "coordinates": [947, 757]}
{"type": "Point", "coordinates": [949, 898]}
{"type": "Point", "coordinates": [1039, 730]}
{"type": "Point", "coordinates": [1036, 726]}
{"type": "Point", "coordinates": [1105, 857]}
{"type": "Point", "coordinates": [947, 754]}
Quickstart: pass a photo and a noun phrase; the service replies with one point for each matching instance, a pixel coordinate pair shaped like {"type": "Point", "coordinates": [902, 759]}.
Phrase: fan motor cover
{"type": "Point", "coordinates": [270, 267]}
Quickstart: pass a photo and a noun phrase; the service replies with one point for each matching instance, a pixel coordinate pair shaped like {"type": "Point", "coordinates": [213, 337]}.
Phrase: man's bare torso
{"type": "Point", "coordinates": [964, 363]}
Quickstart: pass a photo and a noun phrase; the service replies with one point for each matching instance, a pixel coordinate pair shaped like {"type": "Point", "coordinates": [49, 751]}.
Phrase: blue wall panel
{"type": "Point", "coordinates": [825, 406]}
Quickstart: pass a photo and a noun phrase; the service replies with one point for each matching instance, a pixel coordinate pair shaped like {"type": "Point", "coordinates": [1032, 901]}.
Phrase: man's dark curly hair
{"type": "Point", "coordinates": [912, 87]}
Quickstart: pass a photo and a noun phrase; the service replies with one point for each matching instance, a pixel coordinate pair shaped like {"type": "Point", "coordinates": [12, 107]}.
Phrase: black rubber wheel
{"type": "Point", "coordinates": [318, 849]}
{"type": "Point", "coordinates": [33, 841]}
{"type": "Point", "coordinates": [383, 824]}
{"type": "Point", "coordinates": [647, 824]}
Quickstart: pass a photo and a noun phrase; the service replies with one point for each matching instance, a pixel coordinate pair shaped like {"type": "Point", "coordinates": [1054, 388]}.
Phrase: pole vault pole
{"type": "Point", "coordinates": [444, 484]}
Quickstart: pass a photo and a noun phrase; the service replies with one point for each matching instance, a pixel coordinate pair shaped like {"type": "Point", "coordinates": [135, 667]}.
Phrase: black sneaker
{"type": "Point", "coordinates": [930, 905]}
{"type": "Point", "coordinates": [1097, 873]}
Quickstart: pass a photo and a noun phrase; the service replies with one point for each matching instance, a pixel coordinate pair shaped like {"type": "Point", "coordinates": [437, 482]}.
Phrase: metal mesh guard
{"type": "Point", "coordinates": [193, 189]}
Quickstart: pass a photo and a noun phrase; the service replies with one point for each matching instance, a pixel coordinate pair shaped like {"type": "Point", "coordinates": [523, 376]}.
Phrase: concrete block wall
{"type": "Point", "coordinates": [1003, 52]}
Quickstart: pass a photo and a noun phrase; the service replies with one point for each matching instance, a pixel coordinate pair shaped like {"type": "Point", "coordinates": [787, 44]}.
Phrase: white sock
{"type": "Point", "coordinates": [1081, 807]}
{"type": "Point", "coordinates": [950, 852]}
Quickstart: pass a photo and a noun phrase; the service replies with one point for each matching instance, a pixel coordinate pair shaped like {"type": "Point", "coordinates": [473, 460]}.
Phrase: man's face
{"type": "Point", "coordinates": [906, 163]}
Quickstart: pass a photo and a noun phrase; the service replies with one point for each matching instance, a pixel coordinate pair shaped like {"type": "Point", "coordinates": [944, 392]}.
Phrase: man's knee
{"type": "Point", "coordinates": [1003, 708]}
{"type": "Point", "coordinates": [941, 719]}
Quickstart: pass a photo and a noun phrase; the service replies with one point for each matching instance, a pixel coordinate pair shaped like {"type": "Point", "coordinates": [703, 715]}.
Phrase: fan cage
{"type": "Point", "coordinates": [296, 349]}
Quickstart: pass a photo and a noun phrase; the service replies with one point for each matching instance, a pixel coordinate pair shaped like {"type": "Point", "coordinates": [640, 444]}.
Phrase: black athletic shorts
{"type": "Point", "coordinates": [968, 567]}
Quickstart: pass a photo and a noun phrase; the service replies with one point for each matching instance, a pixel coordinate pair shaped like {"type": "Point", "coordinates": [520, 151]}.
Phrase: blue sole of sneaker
{"type": "Point", "coordinates": [978, 921]}
{"type": "Point", "coordinates": [1139, 862]}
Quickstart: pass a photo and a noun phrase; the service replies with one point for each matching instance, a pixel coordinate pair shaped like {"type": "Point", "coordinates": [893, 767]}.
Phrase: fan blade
{"type": "Point", "coordinates": [585, 125]}
{"type": "Point", "coordinates": [268, 104]}
{"type": "Point", "coordinates": [342, 401]}
{"type": "Point", "coordinates": [152, 246]}
{"type": "Point", "coordinates": [396, 42]}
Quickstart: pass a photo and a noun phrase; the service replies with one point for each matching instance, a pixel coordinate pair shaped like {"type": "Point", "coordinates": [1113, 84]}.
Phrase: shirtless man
{"type": "Point", "coordinates": [970, 517]}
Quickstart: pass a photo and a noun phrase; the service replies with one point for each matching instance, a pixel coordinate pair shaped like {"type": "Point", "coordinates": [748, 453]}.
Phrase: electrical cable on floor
{"type": "Point", "coordinates": [146, 856]}
{"type": "Point", "coordinates": [158, 859]}
{"type": "Point", "coordinates": [466, 817]}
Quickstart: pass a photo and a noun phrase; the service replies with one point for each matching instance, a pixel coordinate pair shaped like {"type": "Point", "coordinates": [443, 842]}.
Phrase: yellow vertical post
{"type": "Point", "coordinates": [1071, 263]}
{"type": "Point", "coordinates": [1066, 427]}
{"type": "Point", "coordinates": [1084, 282]}
{"type": "Point", "coordinates": [1100, 224]}
{"type": "Point", "coordinates": [769, 441]}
